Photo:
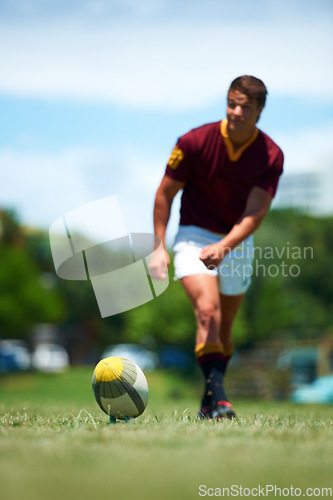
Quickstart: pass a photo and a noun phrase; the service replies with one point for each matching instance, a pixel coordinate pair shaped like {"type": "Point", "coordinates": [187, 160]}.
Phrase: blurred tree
{"type": "Point", "coordinates": [25, 298]}
{"type": "Point", "coordinates": [291, 289]}
{"type": "Point", "coordinates": [10, 230]}
{"type": "Point", "coordinates": [168, 319]}
{"type": "Point", "coordinates": [82, 324]}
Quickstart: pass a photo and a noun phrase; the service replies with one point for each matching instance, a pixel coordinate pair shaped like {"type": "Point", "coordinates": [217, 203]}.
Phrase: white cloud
{"type": "Point", "coordinates": [42, 187]}
{"type": "Point", "coordinates": [171, 60]}
{"type": "Point", "coordinates": [307, 150]}
{"type": "Point", "coordinates": [170, 66]}
{"type": "Point", "coordinates": [143, 10]}
{"type": "Point", "coordinates": [37, 184]}
{"type": "Point", "coordinates": [308, 174]}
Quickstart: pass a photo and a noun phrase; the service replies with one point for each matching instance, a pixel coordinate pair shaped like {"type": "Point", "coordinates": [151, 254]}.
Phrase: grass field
{"type": "Point", "coordinates": [55, 444]}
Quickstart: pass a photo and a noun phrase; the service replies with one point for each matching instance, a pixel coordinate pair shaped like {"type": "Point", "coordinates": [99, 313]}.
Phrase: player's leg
{"type": "Point", "coordinates": [203, 288]}
{"type": "Point", "coordinates": [229, 305]}
{"type": "Point", "coordinates": [235, 278]}
{"type": "Point", "coordinates": [203, 293]}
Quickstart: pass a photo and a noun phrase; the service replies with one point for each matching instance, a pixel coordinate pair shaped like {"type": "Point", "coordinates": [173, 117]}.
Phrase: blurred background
{"type": "Point", "coordinates": [93, 95]}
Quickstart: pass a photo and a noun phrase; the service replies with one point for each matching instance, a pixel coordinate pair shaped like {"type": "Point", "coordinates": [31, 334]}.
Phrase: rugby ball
{"type": "Point", "coordinates": [120, 388]}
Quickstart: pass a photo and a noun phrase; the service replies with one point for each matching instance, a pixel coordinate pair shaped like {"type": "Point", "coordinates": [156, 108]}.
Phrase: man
{"type": "Point", "coordinates": [228, 172]}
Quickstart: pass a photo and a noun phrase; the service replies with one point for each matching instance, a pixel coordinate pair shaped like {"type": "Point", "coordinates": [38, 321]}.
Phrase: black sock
{"type": "Point", "coordinates": [225, 362]}
{"type": "Point", "coordinates": [213, 370]}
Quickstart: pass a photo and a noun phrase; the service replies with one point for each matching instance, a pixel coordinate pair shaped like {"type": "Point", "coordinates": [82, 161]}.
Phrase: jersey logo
{"type": "Point", "coordinates": [176, 157]}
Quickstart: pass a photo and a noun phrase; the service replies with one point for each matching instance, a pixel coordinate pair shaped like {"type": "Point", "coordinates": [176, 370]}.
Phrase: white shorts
{"type": "Point", "coordinates": [235, 270]}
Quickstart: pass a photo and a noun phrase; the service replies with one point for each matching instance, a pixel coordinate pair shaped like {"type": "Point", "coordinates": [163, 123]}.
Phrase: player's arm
{"type": "Point", "coordinates": [257, 206]}
{"type": "Point", "coordinates": [163, 201]}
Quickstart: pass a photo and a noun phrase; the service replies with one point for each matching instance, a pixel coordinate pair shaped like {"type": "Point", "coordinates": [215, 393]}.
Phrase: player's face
{"type": "Point", "coordinates": [242, 112]}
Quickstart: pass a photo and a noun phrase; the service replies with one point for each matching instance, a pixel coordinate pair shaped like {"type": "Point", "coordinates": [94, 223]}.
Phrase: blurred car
{"type": "Point", "coordinates": [174, 357]}
{"type": "Point", "coordinates": [14, 356]}
{"type": "Point", "coordinates": [319, 391]}
{"type": "Point", "coordinates": [50, 358]}
{"type": "Point", "coordinates": [145, 359]}
{"type": "Point", "coordinates": [302, 363]}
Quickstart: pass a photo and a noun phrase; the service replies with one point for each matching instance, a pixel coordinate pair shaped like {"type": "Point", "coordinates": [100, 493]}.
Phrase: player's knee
{"type": "Point", "coordinates": [207, 312]}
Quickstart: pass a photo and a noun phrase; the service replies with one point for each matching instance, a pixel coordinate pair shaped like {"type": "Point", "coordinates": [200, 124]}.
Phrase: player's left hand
{"type": "Point", "coordinates": [212, 255]}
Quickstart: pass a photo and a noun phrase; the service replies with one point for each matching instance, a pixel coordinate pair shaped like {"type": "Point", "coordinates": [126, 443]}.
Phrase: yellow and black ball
{"type": "Point", "coordinates": [120, 388]}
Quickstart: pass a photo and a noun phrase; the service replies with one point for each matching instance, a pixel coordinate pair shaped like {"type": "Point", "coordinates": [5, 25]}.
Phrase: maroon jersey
{"type": "Point", "coordinates": [219, 180]}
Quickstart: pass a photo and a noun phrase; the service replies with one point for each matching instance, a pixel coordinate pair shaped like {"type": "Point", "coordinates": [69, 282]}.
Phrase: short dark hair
{"type": "Point", "coordinates": [252, 87]}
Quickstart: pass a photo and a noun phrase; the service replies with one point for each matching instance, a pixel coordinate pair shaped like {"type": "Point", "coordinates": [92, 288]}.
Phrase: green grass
{"type": "Point", "coordinates": [55, 443]}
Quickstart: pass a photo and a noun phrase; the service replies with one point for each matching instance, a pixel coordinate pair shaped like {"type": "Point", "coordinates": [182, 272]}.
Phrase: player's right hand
{"type": "Point", "coordinates": [159, 263]}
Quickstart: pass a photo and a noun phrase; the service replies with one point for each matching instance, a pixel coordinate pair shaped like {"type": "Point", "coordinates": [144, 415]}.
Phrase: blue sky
{"type": "Point", "coordinates": [94, 93]}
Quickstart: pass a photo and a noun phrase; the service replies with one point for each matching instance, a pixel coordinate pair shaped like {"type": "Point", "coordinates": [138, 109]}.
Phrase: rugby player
{"type": "Point", "coordinates": [229, 172]}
